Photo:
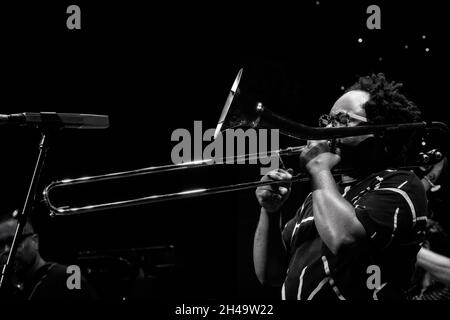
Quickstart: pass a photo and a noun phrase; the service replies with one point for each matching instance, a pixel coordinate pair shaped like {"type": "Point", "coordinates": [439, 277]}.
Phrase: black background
{"type": "Point", "coordinates": [155, 68]}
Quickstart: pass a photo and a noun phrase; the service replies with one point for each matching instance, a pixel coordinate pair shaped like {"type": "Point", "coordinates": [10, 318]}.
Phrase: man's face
{"type": "Point", "coordinates": [26, 250]}
{"type": "Point", "coordinates": [351, 103]}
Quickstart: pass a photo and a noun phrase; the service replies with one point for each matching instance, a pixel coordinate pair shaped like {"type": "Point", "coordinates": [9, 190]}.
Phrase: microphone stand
{"type": "Point", "coordinates": [27, 208]}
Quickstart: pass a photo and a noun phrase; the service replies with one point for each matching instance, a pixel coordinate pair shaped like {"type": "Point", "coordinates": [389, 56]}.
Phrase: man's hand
{"type": "Point", "coordinates": [432, 176]}
{"type": "Point", "coordinates": [272, 197]}
{"type": "Point", "coordinates": [317, 157]}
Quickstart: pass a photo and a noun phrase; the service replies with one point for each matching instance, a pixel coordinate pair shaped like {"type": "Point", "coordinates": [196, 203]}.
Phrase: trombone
{"type": "Point", "coordinates": [163, 197]}
{"type": "Point", "coordinates": [265, 119]}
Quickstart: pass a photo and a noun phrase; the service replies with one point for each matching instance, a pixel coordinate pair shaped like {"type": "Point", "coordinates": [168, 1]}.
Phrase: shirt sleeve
{"type": "Point", "coordinates": [395, 212]}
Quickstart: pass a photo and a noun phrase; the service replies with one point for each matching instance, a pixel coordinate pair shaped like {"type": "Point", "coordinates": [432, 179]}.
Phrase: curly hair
{"type": "Point", "coordinates": [387, 105]}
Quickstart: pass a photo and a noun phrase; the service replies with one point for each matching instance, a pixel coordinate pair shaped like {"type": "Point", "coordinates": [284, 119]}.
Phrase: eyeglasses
{"type": "Point", "coordinates": [342, 118]}
{"type": "Point", "coordinates": [8, 241]}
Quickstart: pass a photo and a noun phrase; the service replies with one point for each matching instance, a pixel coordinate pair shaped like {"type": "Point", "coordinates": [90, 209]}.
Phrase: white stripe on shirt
{"type": "Point", "coordinates": [317, 289]}
{"type": "Point", "coordinates": [300, 284]}
{"type": "Point", "coordinates": [407, 198]}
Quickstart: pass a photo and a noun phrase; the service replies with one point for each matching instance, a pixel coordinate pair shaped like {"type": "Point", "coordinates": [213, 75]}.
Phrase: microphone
{"type": "Point", "coordinates": [55, 120]}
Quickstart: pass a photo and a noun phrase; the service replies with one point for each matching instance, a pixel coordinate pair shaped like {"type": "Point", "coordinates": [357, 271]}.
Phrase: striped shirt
{"type": "Point", "coordinates": [391, 205]}
{"type": "Point", "coordinates": [436, 292]}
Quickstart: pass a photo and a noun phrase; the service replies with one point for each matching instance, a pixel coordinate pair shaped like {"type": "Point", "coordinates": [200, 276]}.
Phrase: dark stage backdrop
{"type": "Point", "coordinates": [155, 68]}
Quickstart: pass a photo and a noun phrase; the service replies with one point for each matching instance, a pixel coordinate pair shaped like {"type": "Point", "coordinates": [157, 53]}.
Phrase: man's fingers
{"type": "Point", "coordinates": [277, 196]}
{"type": "Point", "coordinates": [276, 191]}
{"type": "Point", "coordinates": [280, 188]}
{"type": "Point", "coordinates": [266, 188]}
{"type": "Point", "coordinates": [267, 195]}
{"type": "Point", "coordinates": [280, 174]}
{"type": "Point", "coordinates": [283, 190]}
{"type": "Point", "coordinates": [287, 174]}
{"type": "Point", "coordinates": [264, 193]}
{"type": "Point", "coordinates": [275, 176]}
{"type": "Point", "coordinates": [284, 182]}
{"type": "Point", "coordinates": [272, 197]}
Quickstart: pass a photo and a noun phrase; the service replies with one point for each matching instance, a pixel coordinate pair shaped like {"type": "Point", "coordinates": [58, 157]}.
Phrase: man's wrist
{"type": "Point", "coordinates": [273, 217]}
{"type": "Point", "coordinates": [317, 169]}
{"type": "Point", "coordinates": [321, 178]}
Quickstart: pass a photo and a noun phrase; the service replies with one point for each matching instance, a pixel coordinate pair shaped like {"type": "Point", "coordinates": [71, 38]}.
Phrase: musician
{"type": "Point", "coordinates": [432, 276]}
{"type": "Point", "coordinates": [33, 278]}
{"type": "Point", "coordinates": [357, 239]}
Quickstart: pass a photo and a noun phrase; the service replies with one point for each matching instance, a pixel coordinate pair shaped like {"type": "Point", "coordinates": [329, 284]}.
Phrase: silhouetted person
{"type": "Point", "coordinates": [32, 277]}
